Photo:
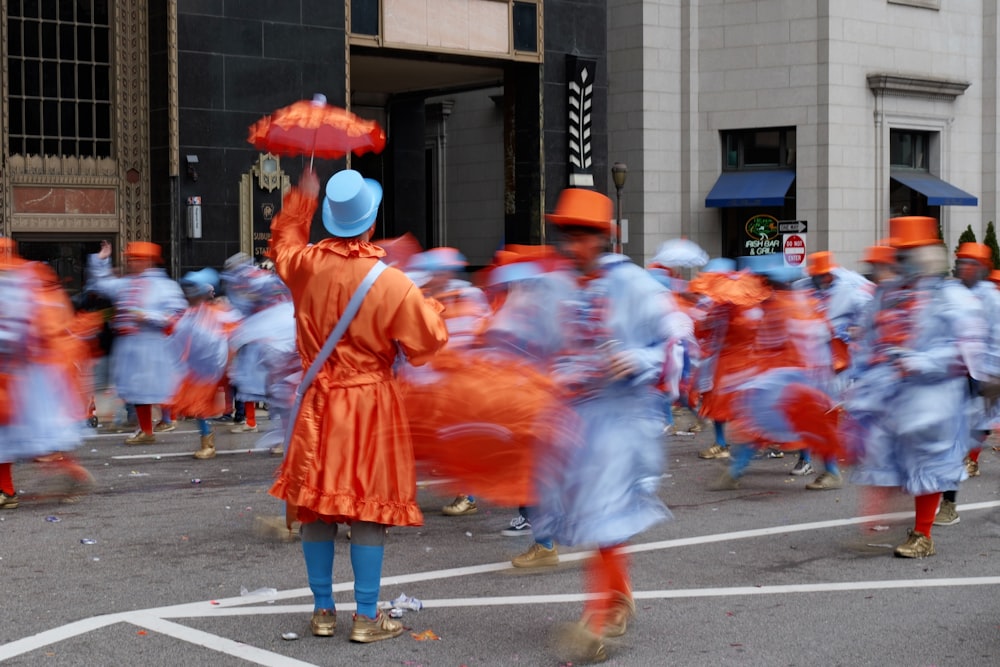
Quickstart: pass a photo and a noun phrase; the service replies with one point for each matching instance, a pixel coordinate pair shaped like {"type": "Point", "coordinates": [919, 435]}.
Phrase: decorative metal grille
{"type": "Point", "coordinates": [59, 59]}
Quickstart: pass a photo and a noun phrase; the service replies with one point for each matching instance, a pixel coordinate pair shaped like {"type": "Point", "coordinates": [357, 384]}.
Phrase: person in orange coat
{"type": "Point", "coordinates": [350, 456]}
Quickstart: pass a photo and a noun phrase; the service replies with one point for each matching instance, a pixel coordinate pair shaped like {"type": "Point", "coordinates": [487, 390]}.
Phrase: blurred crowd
{"type": "Point", "coordinates": [546, 381]}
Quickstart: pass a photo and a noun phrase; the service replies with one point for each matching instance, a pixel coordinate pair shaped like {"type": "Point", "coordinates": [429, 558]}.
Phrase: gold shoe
{"type": "Point", "coordinates": [537, 556]}
{"type": "Point", "coordinates": [947, 514]}
{"type": "Point", "coordinates": [725, 482]}
{"type": "Point", "coordinates": [971, 467]}
{"type": "Point", "coordinates": [207, 450]}
{"type": "Point", "coordinates": [460, 506]}
{"type": "Point", "coordinates": [622, 609]}
{"type": "Point", "coordinates": [243, 428]}
{"type": "Point", "coordinates": [164, 427]}
{"type": "Point", "coordinates": [8, 502]}
{"type": "Point", "coordinates": [366, 630]}
{"type": "Point", "coordinates": [140, 438]}
{"type": "Point", "coordinates": [277, 450]}
{"type": "Point", "coordinates": [714, 452]}
{"type": "Point", "coordinates": [576, 643]}
{"type": "Point", "coordinates": [323, 623]}
{"type": "Point", "coordinates": [826, 481]}
{"type": "Point", "coordinates": [918, 546]}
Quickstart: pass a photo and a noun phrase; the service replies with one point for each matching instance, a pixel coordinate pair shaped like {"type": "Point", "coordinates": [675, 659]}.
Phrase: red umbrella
{"type": "Point", "coordinates": [318, 129]}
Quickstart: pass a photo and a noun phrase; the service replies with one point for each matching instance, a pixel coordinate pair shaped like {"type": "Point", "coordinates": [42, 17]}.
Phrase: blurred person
{"type": "Point", "coordinates": [781, 398]}
{"type": "Point", "coordinates": [841, 296]}
{"type": "Point", "coordinates": [602, 328]}
{"type": "Point", "coordinates": [926, 335]}
{"type": "Point", "coordinates": [265, 366]}
{"type": "Point", "coordinates": [882, 272]}
{"type": "Point", "coordinates": [45, 352]}
{"type": "Point", "coordinates": [349, 458]}
{"type": "Point", "coordinates": [202, 335]}
{"type": "Point", "coordinates": [145, 365]}
{"type": "Point", "coordinates": [726, 301]}
{"type": "Point", "coordinates": [437, 273]}
{"type": "Point", "coordinates": [973, 263]}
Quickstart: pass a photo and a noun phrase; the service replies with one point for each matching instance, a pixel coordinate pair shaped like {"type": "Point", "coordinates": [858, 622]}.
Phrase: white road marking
{"type": "Point", "coordinates": [214, 642]}
{"type": "Point", "coordinates": [155, 619]}
{"type": "Point", "coordinates": [169, 455]}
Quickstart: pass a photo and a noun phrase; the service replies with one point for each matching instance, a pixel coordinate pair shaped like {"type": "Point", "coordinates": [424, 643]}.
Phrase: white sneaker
{"type": "Point", "coordinates": [519, 525]}
{"type": "Point", "coordinates": [802, 467]}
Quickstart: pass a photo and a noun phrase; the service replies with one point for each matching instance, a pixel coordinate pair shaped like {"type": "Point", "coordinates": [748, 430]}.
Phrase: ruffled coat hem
{"type": "Point", "coordinates": [316, 504]}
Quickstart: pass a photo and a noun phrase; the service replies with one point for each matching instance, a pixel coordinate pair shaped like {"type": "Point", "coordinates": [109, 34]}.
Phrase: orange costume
{"type": "Point", "coordinates": [350, 456]}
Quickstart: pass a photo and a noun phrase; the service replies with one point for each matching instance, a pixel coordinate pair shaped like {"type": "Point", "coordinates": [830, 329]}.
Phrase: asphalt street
{"type": "Point", "coordinates": [159, 566]}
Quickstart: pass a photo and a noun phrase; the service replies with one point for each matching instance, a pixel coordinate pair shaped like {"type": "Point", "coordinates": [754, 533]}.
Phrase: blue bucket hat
{"type": "Point", "coordinates": [719, 265]}
{"type": "Point", "coordinates": [351, 203]}
{"type": "Point", "coordinates": [200, 283]}
{"type": "Point", "coordinates": [771, 266]}
{"type": "Point", "coordinates": [207, 276]}
{"type": "Point", "coordinates": [438, 259]}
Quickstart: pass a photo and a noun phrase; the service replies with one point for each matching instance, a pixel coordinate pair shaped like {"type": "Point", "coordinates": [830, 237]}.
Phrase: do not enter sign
{"type": "Point", "coordinates": [795, 249]}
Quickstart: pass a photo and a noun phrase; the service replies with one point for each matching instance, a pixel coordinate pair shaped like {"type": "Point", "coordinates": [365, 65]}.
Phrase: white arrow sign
{"type": "Point", "coordinates": [792, 227]}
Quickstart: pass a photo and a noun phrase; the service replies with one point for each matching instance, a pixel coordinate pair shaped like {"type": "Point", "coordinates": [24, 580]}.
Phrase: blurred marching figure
{"type": "Point", "coordinates": [350, 457]}
{"type": "Point", "coordinates": [437, 273]}
{"type": "Point", "coordinates": [781, 398]}
{"type": "Point", "coordinates": [265, 365]}
{"type": "Point", "coordinates": [44, 357]}
{"type": "Point", "coordinates": [202, 336]}
{"type": "Point", "coordinates": [907, 406]}
{"type": "Point", "coordinates": [145, 364]}
{"type": "Point", "coordinates": [483, 413]}
{"type": "Point", "coordinates": [685, 355]}
{"type": "Point", "coordinates": [841, 296]}
{"type": "Point", "coordinates": [973, 263]}
{"type": "Point", "coordinates": [601, 327]}
{"type": "Point", "coordinates": [728, 302]}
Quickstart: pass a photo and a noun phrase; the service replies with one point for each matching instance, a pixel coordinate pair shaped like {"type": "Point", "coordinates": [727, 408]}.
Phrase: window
{"type": "Point", "coordinates": [364, 17]}
{"type": "Point", "coordinates": [525, 16]}
{"type": "Point", "coordinates": [760, 148]}
{"type": "Point", "coordinates": [908, 149]}
{"type": "Point", "coordinates": [59, 61]}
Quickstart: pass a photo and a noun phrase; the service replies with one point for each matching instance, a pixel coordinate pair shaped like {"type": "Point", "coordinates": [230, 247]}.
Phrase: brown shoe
{"type": "Point", "coordinates": [825, 482]}
{"type": "Point", "coordinates": [140, 438]}
{"type": "Point", "coordinates": [537, 556]}
{"type": "Point", "coordinates": [918, 546]}
{"type": "Point", "coordinates": [207, 450]}
{"type": "Point", "coordinates": [164, 427]}
{"type": "Point", "coordinates": [366, 630]}
{"type": "Point", "coordinates": [323, 623]}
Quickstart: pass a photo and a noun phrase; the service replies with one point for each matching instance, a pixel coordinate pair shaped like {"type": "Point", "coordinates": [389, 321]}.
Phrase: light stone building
{"type": "Point", "coordinates": [733, 114]}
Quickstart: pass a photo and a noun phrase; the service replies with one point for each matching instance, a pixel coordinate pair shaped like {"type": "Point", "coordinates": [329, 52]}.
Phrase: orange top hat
{"type": "Point", "coordinates": [143, 250]}
{"type": "Point", "coordinates": [977, 251]}
{"type": "Point", "coordinates": [912, 231]}
{"type": "Point", "coordinates": [879, 254]}
{"type": "Point", "coordinates": [821, 263]}
{"type": "Point", "coordinates": [582, 208]}
{"type": "Point", "coordinates": [994, 277]}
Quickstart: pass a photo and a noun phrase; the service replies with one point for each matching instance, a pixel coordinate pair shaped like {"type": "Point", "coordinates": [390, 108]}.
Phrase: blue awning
{"type": "Point", "coordinates": [750, 188]}
{"type": "Point", "coordinates": [938, 192]}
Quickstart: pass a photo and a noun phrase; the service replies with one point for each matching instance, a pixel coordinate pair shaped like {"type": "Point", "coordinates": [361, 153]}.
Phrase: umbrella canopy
{"type": "Point", "coordinates": [681, 253]}
{"type": "Point", "coordinates": [315, 128]}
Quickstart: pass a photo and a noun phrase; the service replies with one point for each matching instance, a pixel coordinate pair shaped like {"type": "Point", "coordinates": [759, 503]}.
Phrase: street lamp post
{"type": "Point", "coordinates": [619, 170]}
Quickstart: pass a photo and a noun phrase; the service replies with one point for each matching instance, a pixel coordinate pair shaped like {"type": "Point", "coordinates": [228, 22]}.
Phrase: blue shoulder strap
{"type": "Point", "coordinates": [338, 332]}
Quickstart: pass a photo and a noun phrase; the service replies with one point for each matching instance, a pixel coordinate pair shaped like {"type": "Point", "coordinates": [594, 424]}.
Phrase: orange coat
{"type": "Point", "coordinates": [350, 457]}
